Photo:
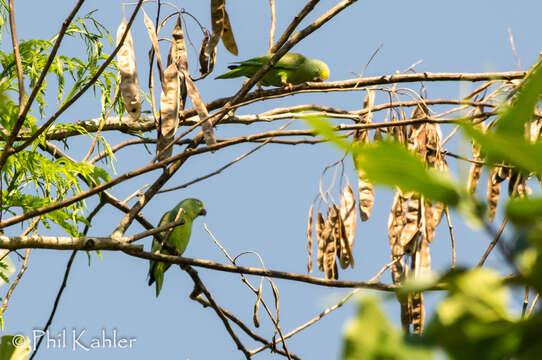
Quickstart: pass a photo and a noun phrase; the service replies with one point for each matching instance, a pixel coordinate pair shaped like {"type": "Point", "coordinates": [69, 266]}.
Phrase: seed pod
{"type": "Point", "coordinates": [332, 238]}
{"type": "Point", "coordinates": [348, 219]}
{"type": "Point", "coordinates": [177, 54]}
{"type": "Point", "coordinates": [493, 192]}
{"type": "Point", "coordinates": [320, 225]}
{"type": "Point", "coordinates": [411, 227]}
{"type": "Point", "coordinates": [309, 239]}
{"type": "Point", "coordinates": [227, 36]}
{"type": "Point", "coordinates": [151, 30]}
{"type": "Point", "coordinates": [365, 188]}
{"type": "Point", "coordinates": [169, 110]}
{"type": "Point", "coordinates": [217, 20]}
{"type": "Point", "coordinates": [129, 84]}
{"type": "Point", "coordinates": [203, 58]}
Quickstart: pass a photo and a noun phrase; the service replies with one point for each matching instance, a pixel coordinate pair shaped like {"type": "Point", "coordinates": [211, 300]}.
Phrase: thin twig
{"type": "Point", "coordinates": [199, 285]}
{"type": "Point", "coordinates": [452, 239]}
{"type": "Point", "coordinates": [525, 303]}
{"type": "Point", "coordinates": [493, 243]}
{"type": "Point", "coordinates": [57, 301]}
{"type": "Point", "coordinates": [254, 290]}
{"type": "Point", "coordinates": [273, 24]}
{"type": "Point", "coordinates": [15, 282]}
{"type": "Point", "coordinates": [218, 171]}
{"type": "Point", "coordinates": [531, 308]}
{"type": "Point", "coordinates": [513, 46]}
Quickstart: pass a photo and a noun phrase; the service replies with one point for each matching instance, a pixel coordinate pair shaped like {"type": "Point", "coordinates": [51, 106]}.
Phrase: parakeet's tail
{"type": "Point", "coordinates": [156, 274]}
{"type": "Point", "coordinates": [236, 71]}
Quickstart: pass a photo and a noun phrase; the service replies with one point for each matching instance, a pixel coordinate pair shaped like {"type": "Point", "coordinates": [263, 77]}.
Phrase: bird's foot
{"type": "Point", "coordinates": [287, 86]}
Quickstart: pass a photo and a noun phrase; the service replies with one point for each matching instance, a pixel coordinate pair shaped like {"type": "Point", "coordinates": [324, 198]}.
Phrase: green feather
{"type": "Point", "coordinates": [178, 237]}
{"type": "Point", "coordinates": [290, 69]}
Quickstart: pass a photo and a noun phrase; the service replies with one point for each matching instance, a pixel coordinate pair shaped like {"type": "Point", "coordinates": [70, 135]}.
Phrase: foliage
{"type": "Point", "coordinates": [474, 320]}
{"type": "Point", "coordinates": [33, 179]}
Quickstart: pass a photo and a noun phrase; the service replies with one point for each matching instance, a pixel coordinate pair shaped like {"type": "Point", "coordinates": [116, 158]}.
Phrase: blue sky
{"type": "Point", "coordinates": [261, 203]}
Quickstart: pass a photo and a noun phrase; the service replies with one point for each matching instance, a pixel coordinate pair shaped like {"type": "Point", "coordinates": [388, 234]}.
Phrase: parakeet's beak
{"type": "Point", "coordinates": [203, 212]}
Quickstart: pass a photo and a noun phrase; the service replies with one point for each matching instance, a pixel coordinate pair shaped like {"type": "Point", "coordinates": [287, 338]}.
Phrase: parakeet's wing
{"type": "Point", "coordinates": [156, 246]}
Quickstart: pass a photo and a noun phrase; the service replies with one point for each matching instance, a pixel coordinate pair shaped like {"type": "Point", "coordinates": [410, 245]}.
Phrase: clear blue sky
{"type": "Point", "coordinates": [261, 203]}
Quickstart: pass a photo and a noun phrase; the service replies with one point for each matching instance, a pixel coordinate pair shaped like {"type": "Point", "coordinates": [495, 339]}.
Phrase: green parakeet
{"type": "Point", "coordinates": [291, 69]}
{"type": "Point", "coordinates": [178, 237]}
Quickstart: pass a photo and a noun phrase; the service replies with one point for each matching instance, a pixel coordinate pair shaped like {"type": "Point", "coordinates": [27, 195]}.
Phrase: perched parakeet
{"type": "Point", "coordinates": [178, 237]}
{"type": "Point", "coordinates": [291, 69]}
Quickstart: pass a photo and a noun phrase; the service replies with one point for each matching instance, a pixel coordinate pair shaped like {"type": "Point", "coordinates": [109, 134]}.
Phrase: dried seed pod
{"type": "Point", "coordinates": [493, 192]}
{"type": "Point", "coordinates": [207, 127]}
{"type": "Point", "coordinates": [203, 58]}
{"type": "Point", "coordinates": [177, 54]}
{"type": "Point", "coordinates": [217, 20]}
{"type": "Point", "coordinates": [227, 36]}
{"type": "Point", "coordinates": [396, 223]}
{"type": "Point", "coordinates": [417, 313]}
{"type": "Point", "coordinates": [411, 226]}
{"type": "Point", "coordinates": [309, 238]}
{"type": "Point", "coordinates": [320, 225]}
{"type": "Point", "coordinates": [348, 219]}
{"type": "Point", "coordinates": [129, 84]}
{"type": "Point", "coordinates": [255, 317]}
{"type": "Point", "coordinates": [476, 169]}
{"type": "Point", "coordinates": [332, 237]}
{"type": "Point", "coordinates": [365, 188]}
{"type": "Point", "coordinates": [154, 40]}
{"type": "Point", "coordinates": [169, 110]}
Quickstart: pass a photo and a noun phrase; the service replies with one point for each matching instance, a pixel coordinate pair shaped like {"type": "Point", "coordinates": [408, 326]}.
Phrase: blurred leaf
{"type": "Point", "coordinates": [8, 350]}
{"type": "Point", "coordinates": [369, 336]}
{"type": "Point", "coordinates": [472, 322]}
{"type": "Point", "coordinates": [390, 163]}
{"type": "Point", "coordinates": [524, 211]}
{"type": "Point", "coordinates": [512, 149]}
{"type": "Point", "coordinates": [514, 117]}
{"type": "Point", "coordinates": [6, 270]}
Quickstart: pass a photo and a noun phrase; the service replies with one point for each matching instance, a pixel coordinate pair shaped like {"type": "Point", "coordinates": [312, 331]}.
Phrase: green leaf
{"type": "Point", "coordinates": [369, 336]}
{"type": "Point", "coordinates": [472, 322]}
{"type": "Point", "coordinates": [524, 211]}
{"type": "Point", "coordinates": [390, 163]}
{"type": "Point", "coordinates": [513, 119]}
{"type": "Point", "coordinates": [6, 270]}
{"type": "Point", "coordinates": [509, 148]}
{"type": "Point", "coordinates": [322, 127]}
{"type": "Point", "coordinates": [14, 347]}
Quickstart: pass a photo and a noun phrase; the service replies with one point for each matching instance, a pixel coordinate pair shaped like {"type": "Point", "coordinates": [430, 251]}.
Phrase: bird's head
{"type": "Point", "coordinates": [194, 207]}
{"type": "Point", "coordinates": [321, 70]}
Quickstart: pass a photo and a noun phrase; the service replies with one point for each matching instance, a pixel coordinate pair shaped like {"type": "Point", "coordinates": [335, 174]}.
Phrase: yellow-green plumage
{"type": "Point", "coordinates": [291, 69]}
{"type": "Point", "coordinates": [178, 237]}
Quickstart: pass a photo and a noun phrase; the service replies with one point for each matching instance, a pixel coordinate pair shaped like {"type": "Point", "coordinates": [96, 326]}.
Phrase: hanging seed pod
{"type": "Point", "coordinates": [227, 36]}
{"type": "Point", "coordinates": [180, 56]}
{"type": "Point", "coordinates": [154, 40]}
{"type": "Point", "coordinates": [348, 218]}
{"type": "Point", "coordinates": [129, 84]}
{"type": "Point", "coordinates": [169, 110]}
{"type": "Point", "coordinates": [203, 58]}
{"type": "Point", "coordinates": [411, 227]}
{"type": "Point", "coordinates": [396, 222]}
{"type": "Point", "coordinates": [365, 188]}
{"type": "Point", "coordinates": [309, 239]}
{"type": "Point", "coordinates": [493, 192]}
{"type": "Point", "coordinates": [217, 20]}
{"type": "Point", "coordinates": [177, 55]}
{"type": "Point", "coordinates": [417, 313]}
{"type": "Point", "coordinates": [330, 233]}
{"type": "Point", "coordinates": [475, 169]}
{"type": "Point", "coordinates": [320, 226]}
